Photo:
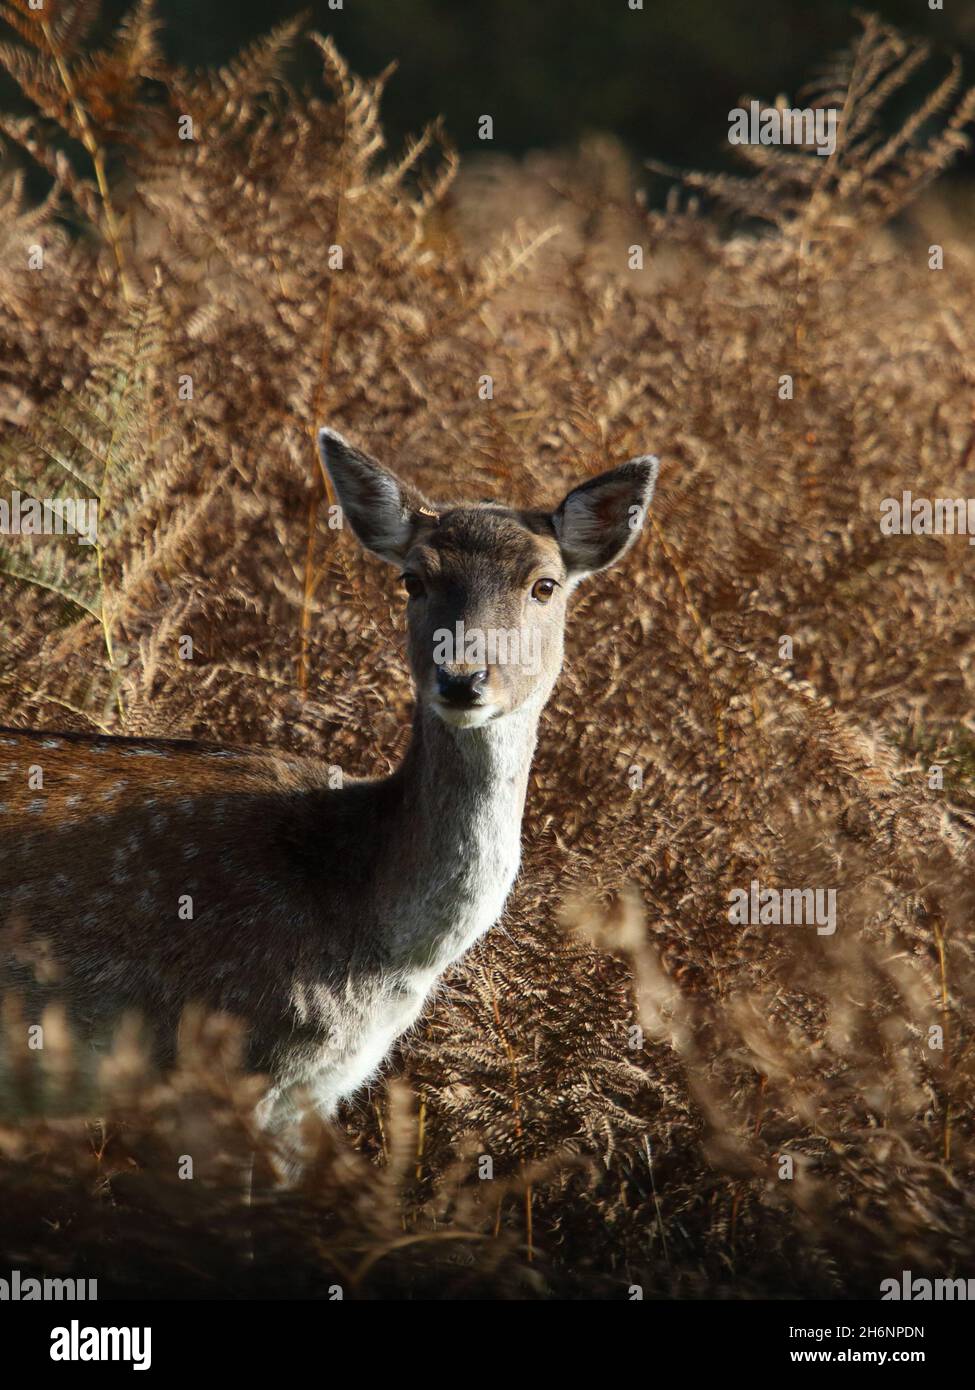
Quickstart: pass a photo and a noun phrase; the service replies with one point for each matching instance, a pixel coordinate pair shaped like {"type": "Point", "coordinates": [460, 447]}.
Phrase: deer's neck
{"type": "Point", "coordinates": [458, 837]}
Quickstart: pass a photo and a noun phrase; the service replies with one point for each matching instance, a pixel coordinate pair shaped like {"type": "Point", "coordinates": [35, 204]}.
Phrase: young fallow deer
{"type": "Point", "coordinates": [321, 917]}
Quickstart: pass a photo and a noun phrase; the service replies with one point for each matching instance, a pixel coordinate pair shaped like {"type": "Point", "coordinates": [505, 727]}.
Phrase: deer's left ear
{"type": "Point", "coordinates": [600, 519]}
{"type": "Point", "coordinates": [385, 514]}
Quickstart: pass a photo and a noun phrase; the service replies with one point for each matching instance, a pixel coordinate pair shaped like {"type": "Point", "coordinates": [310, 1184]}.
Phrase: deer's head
{"type": "Point", "coordinates": [487, 585]}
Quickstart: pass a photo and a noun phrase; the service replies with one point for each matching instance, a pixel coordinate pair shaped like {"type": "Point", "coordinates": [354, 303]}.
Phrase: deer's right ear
{"type": "Point", "coordinates": [600, 519]}
{"type": "Point", "coordinates": [384, 513]}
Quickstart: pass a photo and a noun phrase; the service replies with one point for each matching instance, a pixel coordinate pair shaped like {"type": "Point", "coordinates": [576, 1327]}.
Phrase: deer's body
{"type": "Point", "coordinates": [151, 874]}
{"type": "Point", "coordinates": [296, 890]}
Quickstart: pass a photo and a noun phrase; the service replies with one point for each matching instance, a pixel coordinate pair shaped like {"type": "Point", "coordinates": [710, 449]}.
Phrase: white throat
{"type": "Point", "coordinates": [465, 790]}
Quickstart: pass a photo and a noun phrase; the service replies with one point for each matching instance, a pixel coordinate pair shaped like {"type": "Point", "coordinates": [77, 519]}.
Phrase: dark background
{"type": "Point", "coordinates": [549, 71]}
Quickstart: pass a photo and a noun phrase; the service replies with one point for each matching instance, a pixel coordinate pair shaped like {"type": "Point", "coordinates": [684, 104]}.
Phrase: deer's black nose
{"type": "Point", "coordinates": [462, 688]}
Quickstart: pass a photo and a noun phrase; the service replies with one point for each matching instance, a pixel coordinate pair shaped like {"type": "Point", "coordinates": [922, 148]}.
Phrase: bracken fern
{"type": "Point", "coordinates": [682, 756]}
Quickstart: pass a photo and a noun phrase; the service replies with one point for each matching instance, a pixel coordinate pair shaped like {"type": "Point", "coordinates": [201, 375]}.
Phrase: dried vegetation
{"type": "Point", "coordinates": [636, 1066]}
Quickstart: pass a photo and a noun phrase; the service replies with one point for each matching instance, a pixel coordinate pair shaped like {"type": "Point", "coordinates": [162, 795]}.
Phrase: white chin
{"type": "Point", "coordinates": [466, 718]}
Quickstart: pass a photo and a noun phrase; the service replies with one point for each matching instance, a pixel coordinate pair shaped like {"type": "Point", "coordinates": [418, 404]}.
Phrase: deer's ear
{"type": "Point", "coordinates": [384, 513]}
{"type": "Point", "coordinates": [600, 519]}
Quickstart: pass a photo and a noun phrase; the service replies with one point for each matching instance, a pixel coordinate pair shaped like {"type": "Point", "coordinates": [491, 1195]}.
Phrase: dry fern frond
{"type": "Point", "coordinates": [763, 692]}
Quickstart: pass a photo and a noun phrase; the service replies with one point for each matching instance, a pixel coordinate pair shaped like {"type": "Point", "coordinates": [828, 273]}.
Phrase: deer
{"type": "Point", "coordinates": [149, 875]}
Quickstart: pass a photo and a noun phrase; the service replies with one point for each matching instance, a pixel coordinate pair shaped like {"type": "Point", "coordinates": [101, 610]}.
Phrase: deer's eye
{"type": "Point", "coordinates": [413, 585]}
{"type": "Point", "coordinates": [543, 589]}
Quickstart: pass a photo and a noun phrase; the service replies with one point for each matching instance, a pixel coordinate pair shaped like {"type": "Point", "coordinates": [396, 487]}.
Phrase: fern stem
{"type": "Point", "coordinates": [100, 550]}
{"type": "Point", "coordinates": [95, 154]}
{"type": "Point", "coordinates": [322, 486]}
{"type": "Point", "coordinates": [106, 627]}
